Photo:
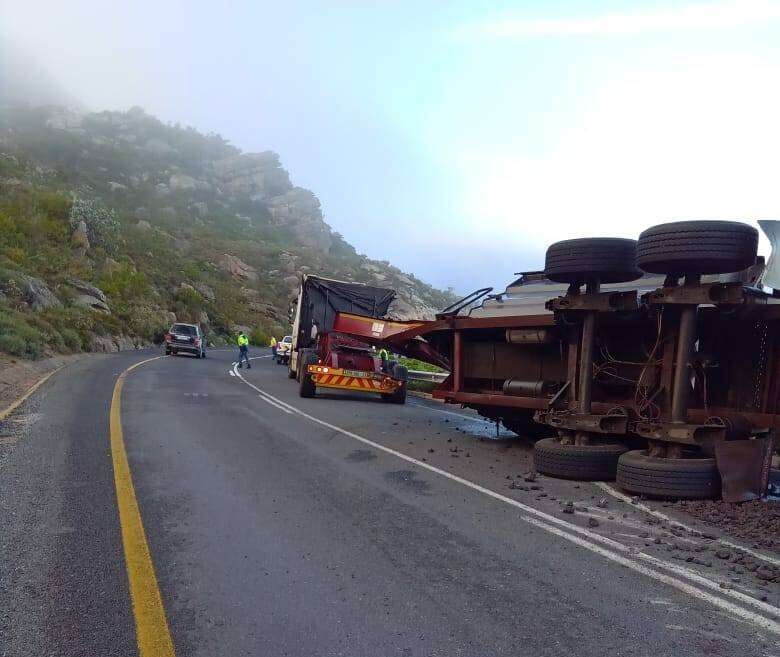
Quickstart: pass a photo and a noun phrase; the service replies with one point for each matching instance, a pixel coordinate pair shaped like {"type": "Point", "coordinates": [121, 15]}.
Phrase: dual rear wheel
{"type": "Point", "coordinates": [692, 477]}
{"type": "Point", "coordinates": [677, 248]}
{"type": "Point", "coordinates": [674, 249]}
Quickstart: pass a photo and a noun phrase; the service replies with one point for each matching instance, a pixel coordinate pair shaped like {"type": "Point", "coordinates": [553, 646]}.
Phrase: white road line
{"type": "Point", "coordinates": [586, 538]}
{"type": "Point", "coordinates": [278, 402]}
{"type": "Point", "coordinates": [737, 610]}
{"type": "Point", "coordinates": [273, 403]}
{"type": "Point", "coordinates": [662, 516]}
{"type": "Point", "coordinates": [260, 393]}
{"type": "Point", "coordinates": [710, 584]}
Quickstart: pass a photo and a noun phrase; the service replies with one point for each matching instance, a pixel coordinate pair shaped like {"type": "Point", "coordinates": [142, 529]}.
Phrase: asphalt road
{"type": "Point", "coordinates": [331, 526]}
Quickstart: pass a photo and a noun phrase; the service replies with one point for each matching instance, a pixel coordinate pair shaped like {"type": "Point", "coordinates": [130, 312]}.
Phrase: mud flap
{"type": "Point", "coordinates": [744, 467]}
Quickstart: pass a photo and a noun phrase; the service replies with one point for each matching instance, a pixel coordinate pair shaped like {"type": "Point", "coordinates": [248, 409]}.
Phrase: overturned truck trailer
{"type": "Point", "coordinates": [656, 361]}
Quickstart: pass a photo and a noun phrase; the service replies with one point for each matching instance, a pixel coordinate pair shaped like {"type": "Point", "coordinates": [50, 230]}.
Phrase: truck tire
{"type": "Point", "coordinates": [686, 478]}
{"type": "Point", "coordinates": [596, 462]}
{"type": "Point", "coordinates": [697, 247]}
{"type": "Point", "coordinates": [399, 396]}
{"type": "Point", "coordinates": [303, 357]}
{"type": "Point", "coordinates": [604, 259]}
{"type": "Point", "coordinates": [306, 386]}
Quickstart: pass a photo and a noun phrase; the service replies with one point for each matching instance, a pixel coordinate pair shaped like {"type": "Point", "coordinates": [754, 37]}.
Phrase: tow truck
{"type": "Point", "coordinates": [336, 328]}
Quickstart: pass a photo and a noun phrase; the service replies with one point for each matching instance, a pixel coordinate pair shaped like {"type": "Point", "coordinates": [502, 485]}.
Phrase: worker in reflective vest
{"type": "Point", "coordinates": [384, 354]}
{"type": "Point", "coordinates": [243, 350]}
{"type": "Point", "coordinates": [273, 346]}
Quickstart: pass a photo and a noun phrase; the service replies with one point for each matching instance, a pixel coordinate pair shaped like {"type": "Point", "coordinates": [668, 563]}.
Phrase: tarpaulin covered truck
{"type": "Point", "coordinates": [322, 356]}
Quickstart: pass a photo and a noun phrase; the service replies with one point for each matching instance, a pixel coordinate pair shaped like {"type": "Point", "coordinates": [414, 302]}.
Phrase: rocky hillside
{"type": "Point", "coordinates": [113, 224]}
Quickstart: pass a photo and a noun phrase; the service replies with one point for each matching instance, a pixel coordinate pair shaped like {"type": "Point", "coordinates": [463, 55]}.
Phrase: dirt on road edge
{"type": "Point", "coordinates": [17, 376]}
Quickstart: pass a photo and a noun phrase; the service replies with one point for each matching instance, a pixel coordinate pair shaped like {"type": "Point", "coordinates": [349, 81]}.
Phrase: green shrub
{"type": "Point", "coordinates": [147, 322]}
{"type": "Point", "coordinates": [124, 283]}
{"type": "Point", "coordinates": [102, 223]}
{"type": "Point", "coordinates": [13, 344]}
{"type": "Point", "coordinates": [11, 234]}
{"type": "Point", "coordinates": [192, 270]}
{"type": "Point", "coordinates": [17, 337]}
{"type": "Point", "coordinates": [71, 339]}
{"type": "Point", "coordinates": [422, 386]}
{"type": "Point", "coordinates": [259, 338]}
{"type": "Point", "coordinates": [419, 365]}
{"type": "Point", "coordinates": [188, 304]}
{"type": "Point", "coordinates": [74, 325]}
{"type": "Point", "coordinates": [55, 206]}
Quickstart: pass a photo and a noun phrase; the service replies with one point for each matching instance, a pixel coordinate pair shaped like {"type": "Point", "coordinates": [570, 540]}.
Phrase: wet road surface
{"type": "Point", "coordinates": [338, 525]}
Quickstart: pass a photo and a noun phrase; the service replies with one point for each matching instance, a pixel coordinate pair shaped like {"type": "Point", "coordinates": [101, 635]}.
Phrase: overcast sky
{"type": "Point", "coordinates": [459, 141]}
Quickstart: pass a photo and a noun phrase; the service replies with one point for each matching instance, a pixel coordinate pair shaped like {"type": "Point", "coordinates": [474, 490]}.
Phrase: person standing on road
{"type": "Point", "coordinates": [273, 346]}
{"type": "Point", "coordinates": [243, 350]}
{"type": "Point", "coordinates": [384, 356]}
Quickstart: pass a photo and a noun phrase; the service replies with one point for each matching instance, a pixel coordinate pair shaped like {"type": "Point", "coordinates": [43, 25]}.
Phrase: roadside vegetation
{"type": "Point", "coordinates": [418, 365]}
{"type": "Point", "coordinates": [114, 225]}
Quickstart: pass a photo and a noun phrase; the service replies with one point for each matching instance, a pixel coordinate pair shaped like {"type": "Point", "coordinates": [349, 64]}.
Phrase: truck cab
{"type": "Point", "coordinates": [322, 357]}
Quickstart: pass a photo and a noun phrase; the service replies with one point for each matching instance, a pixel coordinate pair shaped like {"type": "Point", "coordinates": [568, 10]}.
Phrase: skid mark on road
{"type": "Point", "coordinates": [408, 479]}
{"type": "Point", "coordinates": [746, 608]}
{"type": "Point", "coordinates": [360, 456]}
{"type": "Point", "coordinates": [152, 632]}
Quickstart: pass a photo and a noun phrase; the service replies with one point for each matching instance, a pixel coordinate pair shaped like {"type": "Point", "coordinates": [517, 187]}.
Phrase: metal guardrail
{"type": "Point", "coordinates": [435, 377]}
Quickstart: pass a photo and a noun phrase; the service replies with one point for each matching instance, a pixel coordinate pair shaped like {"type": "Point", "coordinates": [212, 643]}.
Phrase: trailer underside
{"type": "Point", "coordinates": [677, 365]}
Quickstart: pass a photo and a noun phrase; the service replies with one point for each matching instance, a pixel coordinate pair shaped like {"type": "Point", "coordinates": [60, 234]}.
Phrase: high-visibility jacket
{"type": "Point", "coordinates": [384, 354]}
{"type": "Point", "coordinates": [243, 341]}
{"type": "Point", "coordinates": [273, 341]}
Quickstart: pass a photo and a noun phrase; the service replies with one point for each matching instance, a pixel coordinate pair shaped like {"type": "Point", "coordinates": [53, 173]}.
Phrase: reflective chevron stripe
{"type": "Point", "coordinates": [337, 380]}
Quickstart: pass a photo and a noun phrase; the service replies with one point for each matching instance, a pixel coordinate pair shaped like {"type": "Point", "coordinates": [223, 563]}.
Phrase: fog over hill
{"type": "Point", "coordinates": [24, 80]}
{"type": "Point", "coordinates": [114, 223]}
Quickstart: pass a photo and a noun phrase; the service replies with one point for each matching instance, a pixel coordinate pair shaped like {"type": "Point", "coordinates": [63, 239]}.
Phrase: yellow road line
{"type": "Point", "coordinates": [6, 412]}
{"type": "Point", "coordinates": [151, 625]}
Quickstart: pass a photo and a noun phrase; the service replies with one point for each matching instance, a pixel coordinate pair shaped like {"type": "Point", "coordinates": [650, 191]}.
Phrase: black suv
{"type": "Point", "coordinates": [186, 338]}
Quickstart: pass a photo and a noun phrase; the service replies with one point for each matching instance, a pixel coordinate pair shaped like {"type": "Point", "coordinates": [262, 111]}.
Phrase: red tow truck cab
{"type": "Point", "coordinates": [321, 356]}
{"type": "Point", "coordinates": [347, 364]}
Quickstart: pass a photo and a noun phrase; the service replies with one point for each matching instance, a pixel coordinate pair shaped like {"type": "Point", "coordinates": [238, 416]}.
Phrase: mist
{"type": "Point", "coordinates": [433, 138]}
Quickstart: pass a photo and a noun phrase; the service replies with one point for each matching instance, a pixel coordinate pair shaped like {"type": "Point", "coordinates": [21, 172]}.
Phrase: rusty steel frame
{"type": "Point", "coordinates": [713, 371]}
{"type": "Point", "coordinates": [481, 357]}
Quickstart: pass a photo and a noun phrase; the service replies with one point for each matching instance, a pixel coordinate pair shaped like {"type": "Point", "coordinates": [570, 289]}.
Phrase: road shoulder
{"type": "Point", "coordinates": [18, 376]}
